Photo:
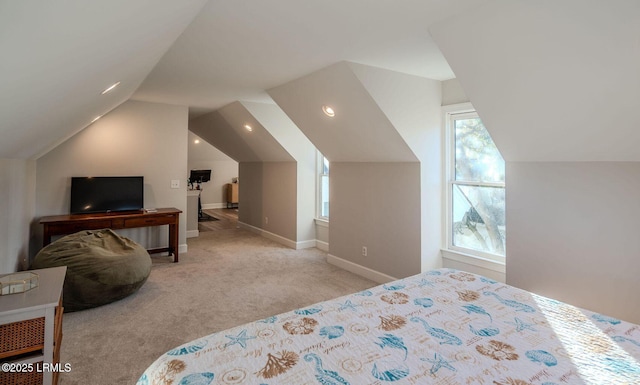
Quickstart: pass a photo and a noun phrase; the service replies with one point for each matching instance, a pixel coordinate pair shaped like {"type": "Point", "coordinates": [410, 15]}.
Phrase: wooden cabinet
{"type": "Point", "coordinates": [69, 224]}
{"type": "Point", "coordinates": [232, 195]}
{"type": "Point", "coordinates": [31, 331]}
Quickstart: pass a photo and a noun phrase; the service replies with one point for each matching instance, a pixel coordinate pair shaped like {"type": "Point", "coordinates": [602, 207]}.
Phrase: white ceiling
{"type": "Point", "coordinates": [204, 152]}
{"type": "Point", "coordinates": [58, 55]}
{"type": "Point", "coordinates": [359, 131]}
{"type": "Point", "coordinates": [571, 67]}
{"type": "Point", "coordinates": [234, 50]}
{"type": "Point", "coordinates": [562, 85]}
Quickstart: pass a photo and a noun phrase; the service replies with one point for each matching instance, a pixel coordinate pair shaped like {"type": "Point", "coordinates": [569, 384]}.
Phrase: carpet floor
{"type": "Point", "coordinates": [228, 277]}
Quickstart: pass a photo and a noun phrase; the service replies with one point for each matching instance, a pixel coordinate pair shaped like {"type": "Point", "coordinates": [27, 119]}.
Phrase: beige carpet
{"type": "Point", "coordinates": [228, 277]}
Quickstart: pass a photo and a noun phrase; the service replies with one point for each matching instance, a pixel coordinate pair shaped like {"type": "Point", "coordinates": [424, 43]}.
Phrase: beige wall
{"type": "Point", "coordinates": [285, 132]}
{"type": "Point", "coordinates": [250, 192]}
{"type": "Point", "coordinates": [376, 205]}
{"type": "Point", "coordinates": [413, 106]}
{"type": "Point", "coordinates": [214, 192]}
{"type": "Point", "coordinates": [280, 199]}
{"type": "Point", "coordinates": [204, 156]}
{"type": "Point", "coordinates": [573, 233]}
{"type": "Point", "coordinates": [268, 190]}
{"type": "Point", "coordinates": [276, 169]}
{"type": "Point", "coordinates": [137, 138]}
{"type": "Point", "coordinates": [17, 189]}
{"type": "Point", "coordinates": [382, 117]}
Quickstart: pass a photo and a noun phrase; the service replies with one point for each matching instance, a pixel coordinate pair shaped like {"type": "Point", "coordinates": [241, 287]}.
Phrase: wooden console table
{"type": "Point", "coordinates": [69, 224]}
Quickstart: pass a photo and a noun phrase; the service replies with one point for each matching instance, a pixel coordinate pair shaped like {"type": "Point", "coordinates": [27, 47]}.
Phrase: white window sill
{"type": "Point", "coordinates": [322, 222]}
{"type": "Point", "coordinates": [485, 263]}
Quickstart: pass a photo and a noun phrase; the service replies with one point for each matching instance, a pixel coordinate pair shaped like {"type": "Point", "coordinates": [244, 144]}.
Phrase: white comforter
{"type": "Point", "coordinates": [442, 327]}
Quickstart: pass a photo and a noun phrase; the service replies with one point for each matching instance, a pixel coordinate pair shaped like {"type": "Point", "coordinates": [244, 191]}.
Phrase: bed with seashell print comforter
{"type": "Point", "coordinates": [441, 327]}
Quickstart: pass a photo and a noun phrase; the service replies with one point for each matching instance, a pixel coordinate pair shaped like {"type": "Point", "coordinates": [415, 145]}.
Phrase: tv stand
{"type": "Point", "coordinates": [69, 224]}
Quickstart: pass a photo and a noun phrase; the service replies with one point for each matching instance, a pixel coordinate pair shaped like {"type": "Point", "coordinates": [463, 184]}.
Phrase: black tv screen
{"type": "Point", "coordinates": [200, 176]}
{"type": "Point", "coordinates": [106, 194]}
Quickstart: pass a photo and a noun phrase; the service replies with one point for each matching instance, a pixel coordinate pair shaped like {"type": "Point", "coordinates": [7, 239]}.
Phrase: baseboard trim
{"type": "Point", "coordinates": [306, 244]}
{"type": "Point", "coordinates": [182, 248]}
{"type": "Point", "coordinates": [321, 245]}
{"type": "Point", "coordinates": [192, 233]}
{"type": "Point", "coordinates": [267, 234]}
{"type": "Point", "coordinates": [360, 270]}
{"type": "Point", "coordinates": [278, 238]}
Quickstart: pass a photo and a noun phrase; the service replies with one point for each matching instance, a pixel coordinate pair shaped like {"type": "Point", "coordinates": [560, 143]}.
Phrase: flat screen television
{"type": "Point", "coordinates": [104, 194]}
{"type": "Point", "coordinates": [200, 176]}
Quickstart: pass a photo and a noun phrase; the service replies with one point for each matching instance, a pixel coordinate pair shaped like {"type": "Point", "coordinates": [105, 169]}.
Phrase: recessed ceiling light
{"type": "Point", "coordinates": [328, 111]}
{"type": "Point", "coordinates": [196, 141]}
{"type": "Point", "coordinates": [248, 127]}
{"type": "Point", "coordinates": [96, 118]}
{"type": "Point", "coordinates": [110, 88]}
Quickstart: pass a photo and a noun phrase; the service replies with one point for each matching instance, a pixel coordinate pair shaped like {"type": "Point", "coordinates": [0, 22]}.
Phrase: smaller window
{"type": "Point", "coordinates": [323, 186]}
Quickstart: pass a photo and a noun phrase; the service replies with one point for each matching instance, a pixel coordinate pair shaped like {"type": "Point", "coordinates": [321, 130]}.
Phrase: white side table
{"type": "Point", "coordinates": [31, 329]}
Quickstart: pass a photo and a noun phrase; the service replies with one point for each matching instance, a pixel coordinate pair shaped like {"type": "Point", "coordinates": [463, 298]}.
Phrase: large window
{"type": "Point", "coordinates": [476, 188]}
{"type": "Point", "coordinates": [323, 187]}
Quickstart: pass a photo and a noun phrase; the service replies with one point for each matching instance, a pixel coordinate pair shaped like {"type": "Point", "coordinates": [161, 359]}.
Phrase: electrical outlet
{"type": "Point", "coordinates": [364, 251]}
{"type": "Point", "coordinates": [266, 220]}
{"type": "Point", "coordinates": [175, 183]}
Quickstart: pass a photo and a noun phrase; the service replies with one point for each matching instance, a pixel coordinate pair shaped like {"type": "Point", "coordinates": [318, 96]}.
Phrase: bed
{"type": "Point", "coordinates": [442, 327]}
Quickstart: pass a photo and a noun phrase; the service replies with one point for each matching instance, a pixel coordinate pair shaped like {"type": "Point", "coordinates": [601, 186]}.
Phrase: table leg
{"type": "Point", "coordinates": [173, 239]}
{"type": "Point", "coordinates": [46, 238]}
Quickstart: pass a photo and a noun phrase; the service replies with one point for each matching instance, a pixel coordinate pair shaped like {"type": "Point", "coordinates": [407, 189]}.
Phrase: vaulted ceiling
{"type": "Point", "coordinates": [235, 50]}
{"type": "Point", "coordinates": [552, 80]}
{"type": "Point", "coordinates": [58, 56]}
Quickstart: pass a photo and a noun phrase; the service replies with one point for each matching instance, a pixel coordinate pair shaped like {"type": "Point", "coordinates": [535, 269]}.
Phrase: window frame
{"type": "Point", "coordinates": [450, 114]}
{"type": "Point", "coordinates": [319, 175]}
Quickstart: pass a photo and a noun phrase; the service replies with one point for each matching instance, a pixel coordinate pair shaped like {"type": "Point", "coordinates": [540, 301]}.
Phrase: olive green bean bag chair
{"type": "Point", "coordinates": [102, 267]}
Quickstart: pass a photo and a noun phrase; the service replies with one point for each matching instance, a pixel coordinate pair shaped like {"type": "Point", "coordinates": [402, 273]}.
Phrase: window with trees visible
{"type": "Point", "coordinates": [476, 188]}
{"type": "Point", "coordinates": [323, 187]}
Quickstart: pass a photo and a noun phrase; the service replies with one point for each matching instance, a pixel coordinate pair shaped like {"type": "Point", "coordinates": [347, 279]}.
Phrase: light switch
{"type": "Point", "coordinates": [175, 183]}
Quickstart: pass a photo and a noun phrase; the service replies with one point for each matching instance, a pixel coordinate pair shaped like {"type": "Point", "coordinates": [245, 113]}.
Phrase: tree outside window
{"type": "Point", "coordinates": [476, 188]}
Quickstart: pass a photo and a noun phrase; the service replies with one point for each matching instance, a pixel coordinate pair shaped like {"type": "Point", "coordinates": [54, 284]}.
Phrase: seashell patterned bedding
{"type": "Point", "coordinates": [441, 327]}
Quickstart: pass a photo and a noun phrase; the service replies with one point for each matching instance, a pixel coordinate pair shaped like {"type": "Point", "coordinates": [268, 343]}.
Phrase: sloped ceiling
{"type": "Point", "coordinates": [359, 131]}
{"type": "Point", "coordinates": [203, 151]}
{"type": "Point", "coordinates": [552, 80]}
{"type": "Point", "coordinates": [225, 130]}
{"type": "Point", "coordinates": [58, 56]}
{"type": "Point", "coordinates": [411, 103]}
{"type": "Point", "coordinates": [259, 139]}
{"type": "Point", "coordinates": [273, 136]}
{"type": "Point", "coordinates": [272, 118]}
{"type": "Point", "coordinates": [215, 130]}
{"type": "Point", "coordinates": [235, 50]}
